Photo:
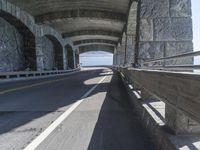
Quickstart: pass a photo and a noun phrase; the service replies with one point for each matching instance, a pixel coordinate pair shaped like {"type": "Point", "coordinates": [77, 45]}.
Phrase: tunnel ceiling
{"type": "Point", "coordinates": [81, 20]}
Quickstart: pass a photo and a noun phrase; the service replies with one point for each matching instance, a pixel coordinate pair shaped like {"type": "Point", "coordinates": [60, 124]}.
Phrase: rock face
{"type": "Point", "coordinates": [11, 48]}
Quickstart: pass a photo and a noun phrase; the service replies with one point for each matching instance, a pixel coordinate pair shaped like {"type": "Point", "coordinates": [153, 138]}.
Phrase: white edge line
{"type": "Point", "coordinates": [36, 142]}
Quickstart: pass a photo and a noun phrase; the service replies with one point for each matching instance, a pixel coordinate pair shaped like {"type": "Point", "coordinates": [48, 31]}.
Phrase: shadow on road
{"type": "Point", "coordinates": [117, 127]}
{"type": "Point", "coordinates": [21, 107]}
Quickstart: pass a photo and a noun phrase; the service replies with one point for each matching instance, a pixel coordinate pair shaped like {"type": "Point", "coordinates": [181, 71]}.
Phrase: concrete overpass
{"type": "Point", "coordinates": [148, 99]}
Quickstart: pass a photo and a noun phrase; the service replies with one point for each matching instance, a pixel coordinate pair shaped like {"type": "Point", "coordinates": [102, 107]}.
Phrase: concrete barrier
{"type": "Point", "coordinates": [27, 75]}
{"type": "Point", "coordinates": [167, 104]}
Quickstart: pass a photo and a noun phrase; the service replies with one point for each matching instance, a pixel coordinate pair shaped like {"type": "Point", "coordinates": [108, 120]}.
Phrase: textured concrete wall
{"type": "Point", "coordinates": [130, 49]}
{"type": "Point", "coordinates": [165, 29]}
{"type": "Point", "coordinates": [32, 33]}
{"type": "Point", "coordinates": [70, 58]}
{"type": "Point", "coordinates": [48, 54]}
{"type": "Point", "coordinates": [11, 48]}
{"type": "Point", "coordinates": [131, 33]}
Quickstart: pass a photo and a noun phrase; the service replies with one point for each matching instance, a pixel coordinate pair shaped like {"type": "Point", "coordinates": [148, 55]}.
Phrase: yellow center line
{"type": "Point", "coordinates": [30, 86]}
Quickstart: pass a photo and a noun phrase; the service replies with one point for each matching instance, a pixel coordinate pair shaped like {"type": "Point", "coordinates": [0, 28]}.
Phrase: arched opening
{"type": "Point", "coordinates": [17, 45]}
{"type": "Point", "coordinates": [96, 58]}
{"type": "Point", "coordinates": [70, 57]}
{"type": "Point", "coordinates": [53, 53]}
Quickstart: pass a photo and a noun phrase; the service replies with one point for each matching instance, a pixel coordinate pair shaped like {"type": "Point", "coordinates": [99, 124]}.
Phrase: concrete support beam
{"type": "Point", "coordinates": [92, 32]}
{"type": "Point", "coordinates": [103, 44]}
{"type": "Point", "coordinates": [95, 41]}
{"type": "Point", "coordinates": [56, 16]}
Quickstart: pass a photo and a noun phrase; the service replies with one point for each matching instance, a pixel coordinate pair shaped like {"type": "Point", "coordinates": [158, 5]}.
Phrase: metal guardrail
{"type": "Point", "coordinates": [163, 66]}
{"type": "Point", "coordinates": [29, 74]}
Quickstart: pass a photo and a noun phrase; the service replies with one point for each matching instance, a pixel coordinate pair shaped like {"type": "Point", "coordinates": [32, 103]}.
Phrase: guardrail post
{"type": "Point", "coordinates": [179, 123]}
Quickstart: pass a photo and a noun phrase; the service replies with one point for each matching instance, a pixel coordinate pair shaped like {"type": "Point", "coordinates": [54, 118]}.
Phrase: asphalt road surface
{"type": "Point", "coordinates": [88, 110]}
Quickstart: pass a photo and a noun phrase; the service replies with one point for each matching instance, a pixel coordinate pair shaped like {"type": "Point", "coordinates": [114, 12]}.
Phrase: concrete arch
{"type": "Point", "coordinates": [9, 10]}
{"type": "Point", "coordinates": [46, 30]}
{"type": "Point", "coordinates": [28, 50]}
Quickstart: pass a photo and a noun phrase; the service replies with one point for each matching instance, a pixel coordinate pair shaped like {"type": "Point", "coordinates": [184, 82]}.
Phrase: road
{"type": "Point", "coordinates": [88, 110]}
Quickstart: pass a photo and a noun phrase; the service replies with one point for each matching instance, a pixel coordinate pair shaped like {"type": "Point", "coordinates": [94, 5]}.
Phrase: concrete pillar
{"type": "Point", "coordinates": [74, 58]}
{"type": "Point", "coordinates": [165, 29]}
{"type": "Point", "coordinates": [39, 53]}
{"type": "Point", "coordinates": [115, 57]}
{"type": "Point", "coordinates": [131, 33]}
{"type": "Point", "coordinates": [118, 50]}
{"type": "Point", "coordinates": [130, 50]}
{"type": "Point", "coordinates": [123, 50]}
{"type": "Point", "coordinates": [65, 62]}
{"type": "Point", "coordinates": [77, 61]}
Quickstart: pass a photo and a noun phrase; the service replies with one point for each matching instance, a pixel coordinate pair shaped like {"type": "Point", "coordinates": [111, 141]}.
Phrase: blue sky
{"type": "Point", "coordinates": [196, 27]}
{"type": "Point", "coordinates": [96, 58]}
{"type": "Point", "coordinates": [102, 58]}
{"type": "Point", "coordinates": [196, 24]}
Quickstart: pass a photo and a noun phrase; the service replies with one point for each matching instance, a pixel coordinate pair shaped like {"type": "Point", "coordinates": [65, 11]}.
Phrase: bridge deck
{"type": "Point", "coordinates": [103, 121]}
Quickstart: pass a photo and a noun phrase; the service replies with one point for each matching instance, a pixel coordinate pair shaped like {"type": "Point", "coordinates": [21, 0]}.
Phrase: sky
{"type": "Point", "coordinates": [196, 24]}
{"type": "Point", "coordinates": [196, 27]}
{"type": "Point", "coordinates": [97, 58]}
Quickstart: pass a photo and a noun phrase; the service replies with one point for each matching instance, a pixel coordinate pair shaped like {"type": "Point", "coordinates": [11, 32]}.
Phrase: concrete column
{"type": "Point", "coordinates": [131, 33]}
{"type": "Point", "coordinates": [118, 55]}
{"type": "Point", "coordinates": [74, 58]}
{"type": "Point", "coordinates": [165, 29]}
{"type": "Point", "coordinates": [77, 61]}
{"type": "Point", "coordinates": [123, 50]}
{"type": "Point", "coordinates": [130, 50]}
{"type": "Point", "coordinates": [115, 57]}
{"type": "Point", "coordinates": [39, 53]}
{"type": "Point", "coordinates": [65, 62]}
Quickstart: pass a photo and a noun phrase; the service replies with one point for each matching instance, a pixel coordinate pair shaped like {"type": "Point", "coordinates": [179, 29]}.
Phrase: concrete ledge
{"type": "Point", "coordinates": [28, 75]}
{"type": "Point", "coordinates": [151, 113]}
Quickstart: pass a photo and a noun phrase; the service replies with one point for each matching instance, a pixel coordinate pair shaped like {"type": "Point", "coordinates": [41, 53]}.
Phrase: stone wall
{"type": "Point", "coordinates": [48, 54]}
{"type": "Point", "coordinates": [11, 48]}
{"type": "Point", "coordinates": [70, 57]}
{"type": "Point", "coordinates": [131, 33]}
{"type": "Point", "coordinates": [165, 29]}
